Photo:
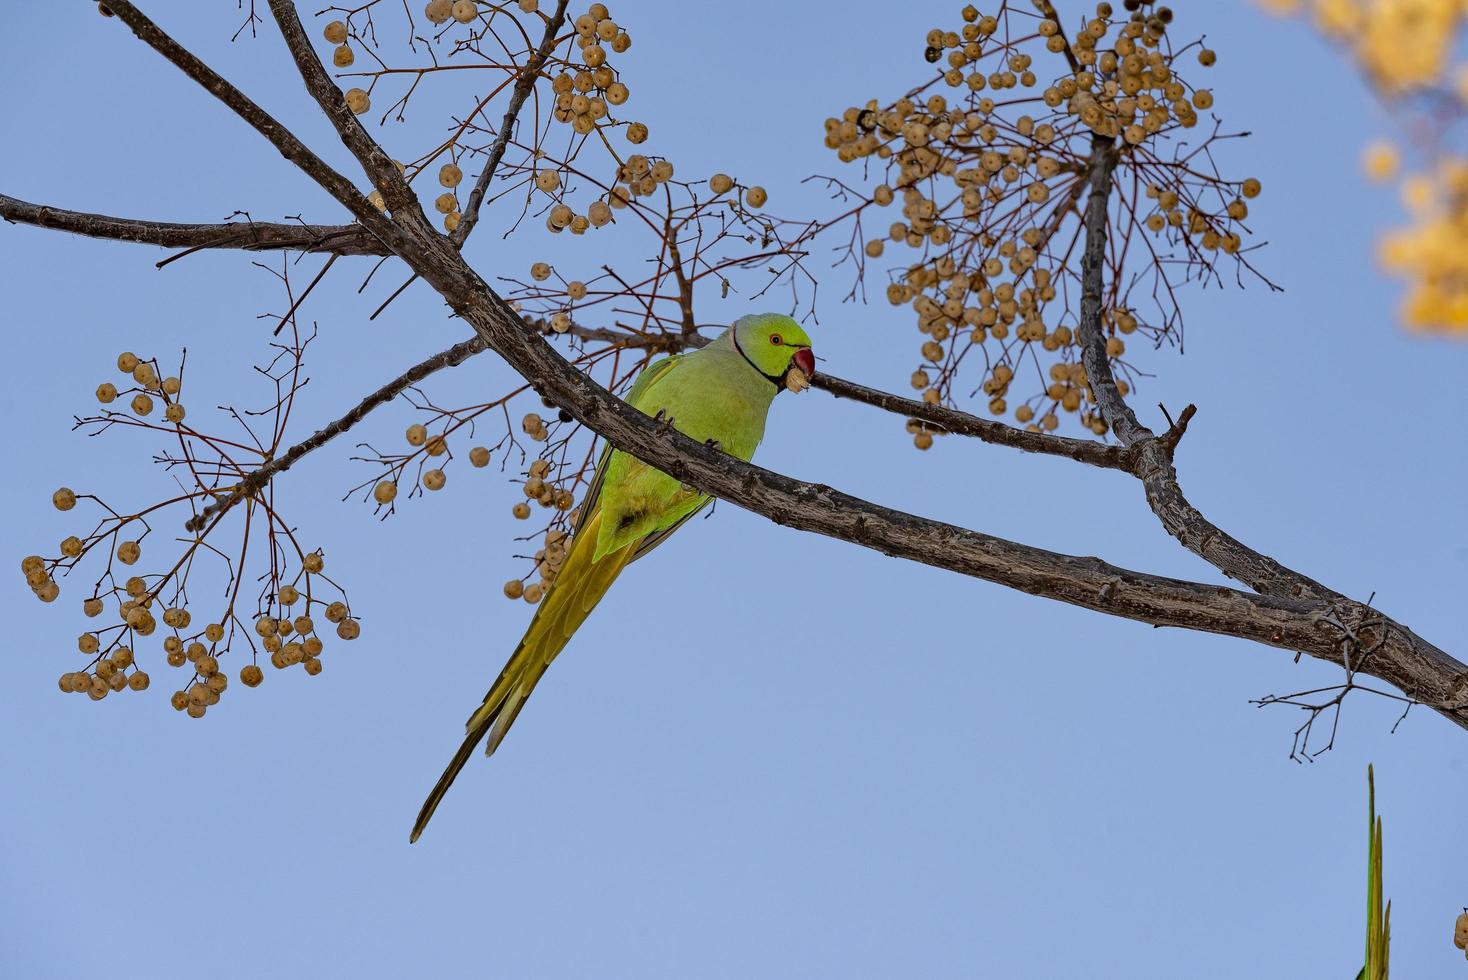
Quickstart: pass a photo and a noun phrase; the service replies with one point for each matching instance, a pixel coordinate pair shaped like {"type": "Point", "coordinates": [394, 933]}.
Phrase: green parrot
{"type": "Point", "coordinates": [719, 394]}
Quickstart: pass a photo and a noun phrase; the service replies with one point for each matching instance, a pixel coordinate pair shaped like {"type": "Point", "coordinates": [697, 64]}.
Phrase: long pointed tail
{"type": "Point", "coordinates": [579, 587]}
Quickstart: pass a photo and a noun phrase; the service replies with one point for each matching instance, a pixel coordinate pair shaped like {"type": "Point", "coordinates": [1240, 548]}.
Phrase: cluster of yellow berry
{"type": "Point", "coordinates": [338, 33]}
{"type": "Point", "coordinates": [110, 648]}
{"type": "Point", "coordinates": [540, 486]}
{"type": "Point", "coordinates": [136, 600]}
{"type": "Point", "coordinates": [147, 385]}
{"type": "Point", "coordinates": [584, 91]}
{"type": "Point", "coordinates": [385, 491]}
{"type": "Point", "coordinates": [548, 561]}
{"type": "Point", "coordinates": [990, 183]}
{"type": "Point", "coordinates": [1432, 254]}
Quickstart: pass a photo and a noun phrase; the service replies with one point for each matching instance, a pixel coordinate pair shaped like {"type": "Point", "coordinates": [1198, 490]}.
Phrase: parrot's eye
{"type": "Point", "coordinates": [776, 339]}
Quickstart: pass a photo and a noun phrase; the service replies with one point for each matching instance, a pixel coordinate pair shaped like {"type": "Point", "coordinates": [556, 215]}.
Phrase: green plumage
{"type": "Point", "coordinates": [720, 394]}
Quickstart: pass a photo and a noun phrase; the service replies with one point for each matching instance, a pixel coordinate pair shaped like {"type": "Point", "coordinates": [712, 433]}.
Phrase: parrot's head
{"type": "Point", "coordinates": [777, 346]}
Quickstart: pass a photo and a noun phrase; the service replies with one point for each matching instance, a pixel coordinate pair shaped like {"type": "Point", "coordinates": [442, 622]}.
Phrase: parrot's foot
{"type": "Point", "coordinates": [667, 420]}
{"type": "Point", "coordinates": [714, 444]}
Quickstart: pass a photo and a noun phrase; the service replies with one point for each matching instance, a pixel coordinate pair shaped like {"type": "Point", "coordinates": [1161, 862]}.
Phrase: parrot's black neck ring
{"type": "Point", "coordinates": [778, 380]}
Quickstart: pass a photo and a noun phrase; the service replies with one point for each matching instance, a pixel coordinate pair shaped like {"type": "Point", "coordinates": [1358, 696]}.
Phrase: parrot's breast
{"type": "Point", "coordinates": [711, 395]}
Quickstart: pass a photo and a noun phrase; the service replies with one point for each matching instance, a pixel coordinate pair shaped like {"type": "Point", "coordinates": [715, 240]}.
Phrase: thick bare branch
{"type": "Point", "coordinates": [1419, 669]}
{"type": "Point", "coordinates": [350, 239]}
{"type": "Point", "coordinates": [523, 86]}
{"type": "Point", "coordinates": [1153, 456]}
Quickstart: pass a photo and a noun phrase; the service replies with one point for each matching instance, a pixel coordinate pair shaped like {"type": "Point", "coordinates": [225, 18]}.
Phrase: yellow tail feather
{"type": "Point", "coordinates": [577, 589]}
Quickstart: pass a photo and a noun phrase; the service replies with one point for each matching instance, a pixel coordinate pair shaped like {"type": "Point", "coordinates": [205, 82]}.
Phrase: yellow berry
{"type": "Point", "coordinates": [434, 479]}
{"type": "Point", "coordinates": [479, 456]}
{"type": "Point", "coordinates": [127, 361]}
{"type": "Point", "coordinates": [250, 676]}
{"type": "Point", "coordinates": [343, 56]}
{"type": "Point", "coordinates": [357, 101]}
{"type": "Point", "coordinates": [64, 499]}
{"type": "Point", "coordinates": [335, 32]}
{"type": "Point", "coordinates": [514, 588]}
{"type": "Point", "coordinates": [106, 392]}
{"type": "Point", "coordinates": [464, 11]}
{"type": "Point", "coordinates": [128, 552]}
{"type": "Point", "coordinates": [756, 197]}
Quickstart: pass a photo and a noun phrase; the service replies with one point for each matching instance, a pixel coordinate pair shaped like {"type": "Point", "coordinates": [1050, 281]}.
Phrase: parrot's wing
{"type": "Point", "coordinates": [658, 537]}
{"type": "Point", "coordinates": [591, 502]}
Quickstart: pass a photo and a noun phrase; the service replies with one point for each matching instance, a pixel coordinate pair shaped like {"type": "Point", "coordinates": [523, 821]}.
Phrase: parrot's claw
{"type": "Point", "coordinates": [714, 444]}
{"type": "Point", "coordinates": [667, 420]}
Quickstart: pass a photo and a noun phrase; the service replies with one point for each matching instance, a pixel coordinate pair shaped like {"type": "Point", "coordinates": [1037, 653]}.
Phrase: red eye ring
{"type": "Point", "coordinates": [776, 339]}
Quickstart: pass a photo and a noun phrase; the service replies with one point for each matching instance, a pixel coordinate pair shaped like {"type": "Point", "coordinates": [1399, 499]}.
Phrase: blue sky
{"type": "Point", "coordinates": [918, 774]}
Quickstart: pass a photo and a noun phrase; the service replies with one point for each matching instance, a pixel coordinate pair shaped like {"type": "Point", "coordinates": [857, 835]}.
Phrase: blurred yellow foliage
{"type": "Point", "coordinates": [1407, 48]}
{"type": "Point", "coordinates": [1401, 44]}
{"type": "Point", "coordinates": [1432, 253]}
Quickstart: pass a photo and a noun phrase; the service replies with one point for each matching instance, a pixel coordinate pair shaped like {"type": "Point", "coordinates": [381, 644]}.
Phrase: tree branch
{"type": "Point", "coordinates": [261, 121]}
{"type": "Point", "coordinates": [1418, 668]}
{"type": "Point", "coordinates": [985, 430]}
{"type": "Point", "coordinates": [1398, 656]}
{"type": "Point", "coordinates": [380, 169]}
{"type": "Point", "coordinates": [1153, 456]}
{"type": "Point", "coordinates": [256, 480]}
{"type": "Point", "coordinates": [350, 239]}
{"type": "Point", "coordinates": [523, 87]}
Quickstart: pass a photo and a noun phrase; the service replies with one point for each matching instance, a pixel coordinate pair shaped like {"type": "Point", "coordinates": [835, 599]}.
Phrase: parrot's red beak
{"type": "Point", "coordinates": [806, 361]}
